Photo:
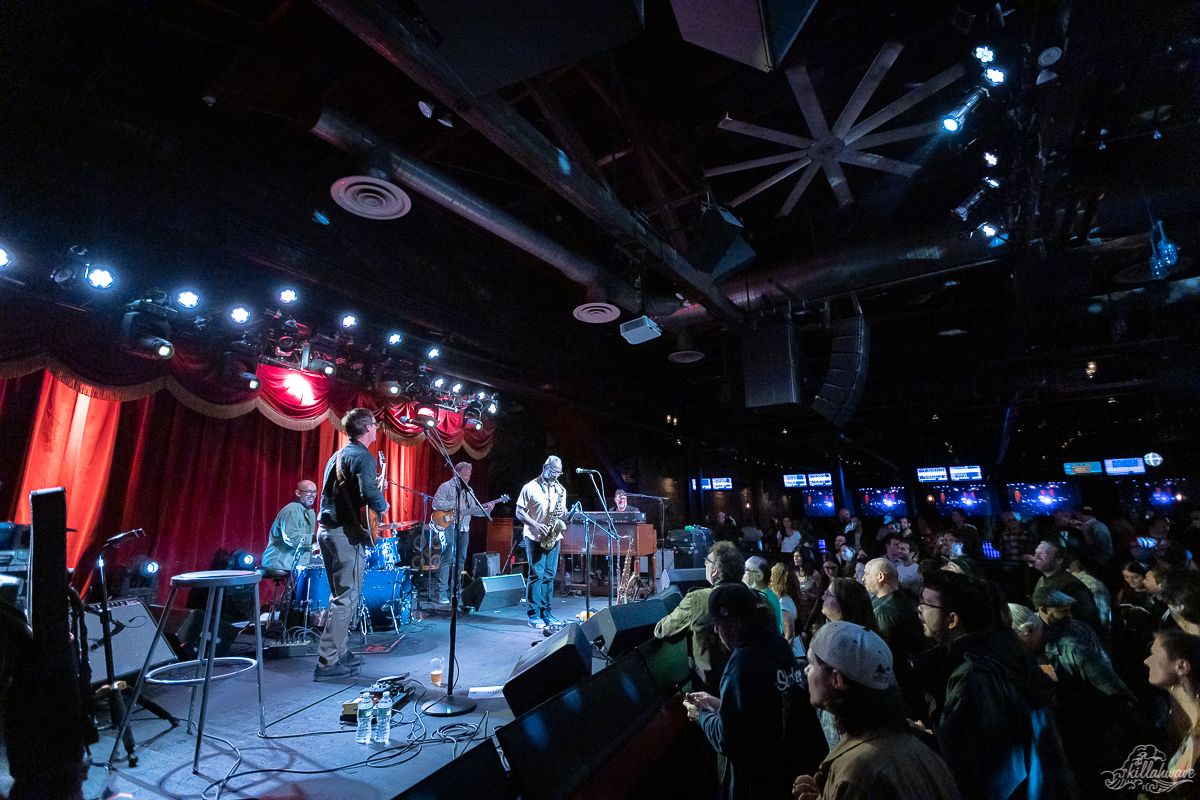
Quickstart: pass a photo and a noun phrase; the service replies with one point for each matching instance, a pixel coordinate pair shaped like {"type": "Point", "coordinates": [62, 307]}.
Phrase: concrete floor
{"type": "Point", "coordinates": [307, 736]}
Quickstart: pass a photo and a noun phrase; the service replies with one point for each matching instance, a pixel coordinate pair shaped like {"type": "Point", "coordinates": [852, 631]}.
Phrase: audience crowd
{"type": "Point", "coordinates": [1030, 659]}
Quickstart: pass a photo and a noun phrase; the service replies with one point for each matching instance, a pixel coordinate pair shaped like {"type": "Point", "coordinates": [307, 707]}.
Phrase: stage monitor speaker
{"type": "Point", "coordinates": [684, 579]}
{"type": "Point", "coordinates": [667, 663]}
{"type": "Point", "coordinates": [132, 629]}
{"type": "Point", "coordinates": [558, 747]}
{"type": "Point", "coordinates": [626, 626]}
{"type": "Point", "coordinates": [720, 248]}
{"type": "Point", "coordinates": [771, 362]}
{"type": "Point", "coordinates": [477, 773]}
{"type": "Point", "coordinates": [847, 374]}
{"type": "Point", "coordinates": [753, 32]}
{"type": "Point", "coordinates": [548, 668]}
{"type": "Point", "coordinates": [494, 591]}
{"type": "Point", "coordinates": [492, 45]}
{"type": "Point", "coordinates": [484, 565]}
{"type": "Point", "coordinates": [670, 597]}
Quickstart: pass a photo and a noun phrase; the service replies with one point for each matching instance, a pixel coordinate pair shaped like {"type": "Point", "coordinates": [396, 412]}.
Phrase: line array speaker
{"type": "Point", "coordinates": [847, 374]}
{"type": "Point", "coordinates": [771, 361]}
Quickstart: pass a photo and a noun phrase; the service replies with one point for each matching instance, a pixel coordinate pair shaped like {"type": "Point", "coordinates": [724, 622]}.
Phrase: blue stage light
{"type": "Point", "coordinates": [240, 315]}
{"type": "Point", "coordinates": [100, 277]}
{"type": "Point", "coordinates": [288, 296]}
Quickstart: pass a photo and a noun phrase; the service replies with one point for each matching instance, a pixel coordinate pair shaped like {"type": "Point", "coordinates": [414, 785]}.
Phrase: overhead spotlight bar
{"type": "Point", "coordinates": [187, 299]}
{"type": "Point", "coordinates": [953, 121]}
{"type": "Point", "coordinates": [288, 296]}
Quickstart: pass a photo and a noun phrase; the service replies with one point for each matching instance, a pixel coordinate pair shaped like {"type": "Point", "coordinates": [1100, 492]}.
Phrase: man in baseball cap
{"type": "Point", "coordinates": [850, 675]}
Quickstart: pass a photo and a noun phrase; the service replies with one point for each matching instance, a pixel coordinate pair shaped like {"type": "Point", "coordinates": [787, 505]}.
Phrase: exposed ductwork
{"type": "Point", "coordinates": [411, 172]}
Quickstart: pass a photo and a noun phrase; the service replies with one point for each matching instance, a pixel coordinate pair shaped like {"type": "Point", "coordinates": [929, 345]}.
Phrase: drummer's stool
{"type": "Point", "coordinates": [218, 580]}
{"type": "Point", "coordinates": [282, 578]}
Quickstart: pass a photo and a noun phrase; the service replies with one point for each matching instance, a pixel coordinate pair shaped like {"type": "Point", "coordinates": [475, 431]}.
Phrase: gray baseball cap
{"type": "Point", "coordinates": [859, 654]}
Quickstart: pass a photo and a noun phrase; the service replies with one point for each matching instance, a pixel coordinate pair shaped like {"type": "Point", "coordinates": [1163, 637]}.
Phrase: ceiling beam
{"type": "Point", "coordinates": [401, 42]}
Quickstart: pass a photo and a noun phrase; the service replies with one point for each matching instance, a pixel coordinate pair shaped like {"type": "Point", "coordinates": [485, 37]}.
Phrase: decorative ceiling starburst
{"type": "Point", "coordinates": [844, 142]}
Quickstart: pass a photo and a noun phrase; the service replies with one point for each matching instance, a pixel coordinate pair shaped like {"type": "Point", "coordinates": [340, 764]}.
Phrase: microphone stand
{"type": "Point", "coordinates": [426, 514]}
{"type": "Point", "coordinates": [451, 706]}
{"type": "Point", "coordinates": [660, 537]}
{"type": "Point", "coordinates": [612, 533]}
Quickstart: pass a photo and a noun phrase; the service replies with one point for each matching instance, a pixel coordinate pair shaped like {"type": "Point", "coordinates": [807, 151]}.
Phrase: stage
{"type": "Point", "coordinates": [304, 735]}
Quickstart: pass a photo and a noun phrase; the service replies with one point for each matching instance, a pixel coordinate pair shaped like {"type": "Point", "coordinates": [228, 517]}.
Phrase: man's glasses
{"type": "Point", "coordinates": [308, 494]}
{"type": "Point", "coordinates": [927, 605]}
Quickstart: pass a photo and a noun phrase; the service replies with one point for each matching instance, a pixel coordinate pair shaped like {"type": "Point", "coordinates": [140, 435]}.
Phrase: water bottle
{"type": "Point", "coordinates": [366, 712]}
{"type": "Point", "coordinates": [383, 721]}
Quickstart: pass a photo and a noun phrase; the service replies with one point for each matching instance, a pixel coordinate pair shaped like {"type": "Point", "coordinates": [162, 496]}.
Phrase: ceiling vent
{"type": "Point", "coordinates": [685, 352]}
{"type": "Point", "coordinates": [370, 197]}
{"type": "Point", "coordinates": [596, 313]}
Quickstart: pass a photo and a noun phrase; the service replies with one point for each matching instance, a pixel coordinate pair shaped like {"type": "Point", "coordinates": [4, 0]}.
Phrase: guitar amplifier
{"type": "Point", "coordinates": [484, 565]}
{"type": "Point", "coordinates": [132, 630]}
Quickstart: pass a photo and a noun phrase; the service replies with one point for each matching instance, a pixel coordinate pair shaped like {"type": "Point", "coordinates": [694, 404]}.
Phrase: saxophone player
{"type": "Point", "coordinates": [542, 506]}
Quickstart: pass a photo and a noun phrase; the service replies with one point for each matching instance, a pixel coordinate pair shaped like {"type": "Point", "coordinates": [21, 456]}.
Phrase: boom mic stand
{"type": "Point", "coordinates": [611, 531]}
{"type": "Point", "coordinates": [116, 697]}
{"type": "Point", "coordinates": [451, 706]}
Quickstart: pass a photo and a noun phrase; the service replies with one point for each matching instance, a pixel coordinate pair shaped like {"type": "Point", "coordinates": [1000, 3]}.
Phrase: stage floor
{"type": "Point", "coordinates": [307, 737]}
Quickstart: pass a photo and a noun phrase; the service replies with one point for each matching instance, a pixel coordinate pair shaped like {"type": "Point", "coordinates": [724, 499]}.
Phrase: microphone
{"type": "Point", "coordinates": [121, 536]}
{"type": "Point", "coordinates": [407, 421]}
{"type": "Point", "coordinates": [581, 471]}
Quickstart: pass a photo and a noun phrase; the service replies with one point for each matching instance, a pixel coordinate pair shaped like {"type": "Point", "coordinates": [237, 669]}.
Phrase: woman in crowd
{"type": "Point", "coordinates": [787, 589]}
{"type": "Point", "coordinates": [1174, 665]}
{"type": "Point", "coordinates": [847, 600]}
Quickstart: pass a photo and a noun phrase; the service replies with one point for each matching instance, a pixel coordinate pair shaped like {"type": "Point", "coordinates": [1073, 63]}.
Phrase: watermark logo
{"type": "Point", "coordinates": [1146, 769]}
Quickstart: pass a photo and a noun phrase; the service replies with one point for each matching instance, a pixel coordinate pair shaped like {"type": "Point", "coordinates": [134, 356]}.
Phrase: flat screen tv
{"type": "Point", "coordinates": [1042, 498]}
{"type": "Point", "coordinates": [882, 501]}
{"type": "Point", "coordinates": [819, 504]}
{"type": "Point", "coordinates": [1164, 493]}
{"type": "Point", "coordinates": [973, 498]}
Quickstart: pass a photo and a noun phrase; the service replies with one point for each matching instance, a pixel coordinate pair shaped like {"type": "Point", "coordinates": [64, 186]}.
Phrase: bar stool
{"type": "Point", "coordinates": [218, 580]}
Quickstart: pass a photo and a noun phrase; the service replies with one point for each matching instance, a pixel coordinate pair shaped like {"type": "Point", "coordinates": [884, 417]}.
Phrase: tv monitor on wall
{"type": "Point", "coordinates": [882, 501]}
{"type": "Point", "coordinates": [1163, 494]}
{"type": "Point", "coordinates": [1041, 499]}
{"type": "Point", "coordinates": [973, 498]}
{"type": "Point", "coordinates": [819, 503]}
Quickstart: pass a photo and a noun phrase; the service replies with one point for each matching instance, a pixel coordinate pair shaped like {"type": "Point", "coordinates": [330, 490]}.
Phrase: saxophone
{"type": "Point", "coordinates": [627, 587]}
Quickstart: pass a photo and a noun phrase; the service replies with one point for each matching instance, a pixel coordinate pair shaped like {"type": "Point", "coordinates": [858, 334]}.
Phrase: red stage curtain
{"type": "Point", "coordinates": [71, 445]}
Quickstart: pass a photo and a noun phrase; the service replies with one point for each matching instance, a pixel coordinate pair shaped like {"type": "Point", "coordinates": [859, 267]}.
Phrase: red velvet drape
{"type": "Point", "coordinates": [195, 483]}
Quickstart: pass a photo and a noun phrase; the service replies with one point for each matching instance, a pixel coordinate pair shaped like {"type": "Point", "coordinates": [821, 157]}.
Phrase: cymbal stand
{"type": "Point", "coordinates": [424, 538]}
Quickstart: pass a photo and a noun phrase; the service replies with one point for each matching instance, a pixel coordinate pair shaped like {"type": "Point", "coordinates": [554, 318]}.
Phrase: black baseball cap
{"type": "Point", "coordinates": [730, 600]}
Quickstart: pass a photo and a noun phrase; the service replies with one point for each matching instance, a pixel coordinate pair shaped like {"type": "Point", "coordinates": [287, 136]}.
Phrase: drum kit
{"type": "Point", "coordinates": [387, 593]}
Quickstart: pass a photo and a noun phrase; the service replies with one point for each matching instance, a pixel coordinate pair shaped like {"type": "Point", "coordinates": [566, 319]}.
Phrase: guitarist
{"type": "Point", "coordinates": [350, 482]}
{"type": "Point", "coordinates": [444, 500]}
{"type": "Point", "coordinates": [543, 500]}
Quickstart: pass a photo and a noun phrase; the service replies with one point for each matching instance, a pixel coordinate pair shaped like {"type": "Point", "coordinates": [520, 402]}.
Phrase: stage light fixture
{"type": "Point", "coordinates": [100, 277]}
{"type": "Point", "coordinates": [491, 407]}
{"type": "Point", "coordinates": [390, 388]}
{"type": "Point", "coordinates": [426, 107]}
{"type": "Point", "coordinates": [239, 314]}
{"type": "Point", "coordinates": [425, 415]}
{"type": "Point", "coordinates": [474, 423]}
{"type": "Point", "coordinates": [992, 182]}
{"type": "Point", "coordinates": [148, 568]}
{"type": "Point", "coordinates": [438, 383]}
{"type": "Point", "coordinates": [395, 339]}
{"type": "Point", "coordinates": [241, 559]}
{"type": "Point", "coordinates": [432, 352]}
{"type": "Point", "coordinates": [985, 54]}
{"type": "Point", "coordinates": [953, 121]}
{"type": "Point", "coordinates": [994, 76]}
{"type": "Point", "coordinates": [288, 296]}
{"type": "Point", "coordinates": [964, 209]}
{"type": "Point", "coordinates": [988, 229]}
{"type": "Point", "coordinates": [187, 299]}
{"type": "Point", "coordinates": [456, 388]}
{"type": "Point", "coordinates": [481, 395]}
{"type": "Point", "coordinates": [349, 321]}
{"type": "Point", "coordinates": [323, 366]}
{"type": "Point", "coordinates": [446, 119]}
{"type": "Point", "coordinates": [991, 159]}
{"type": "Point", "coordinates": [145, 328]}
{"type": "Point", "coordinates": [5, 260]}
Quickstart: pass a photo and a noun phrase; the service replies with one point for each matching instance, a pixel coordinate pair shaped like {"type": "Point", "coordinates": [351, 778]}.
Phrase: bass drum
{"type": "Point", "coordinates": [312, 589]}
{"type": "Point", "coordinates": [386, 592]}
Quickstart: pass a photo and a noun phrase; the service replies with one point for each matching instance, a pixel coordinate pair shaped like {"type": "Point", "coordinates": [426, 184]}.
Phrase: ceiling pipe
{"type": "Point", "coordinates": [397, 38]}
{"type": "Point", "coordinates": [414, 174]}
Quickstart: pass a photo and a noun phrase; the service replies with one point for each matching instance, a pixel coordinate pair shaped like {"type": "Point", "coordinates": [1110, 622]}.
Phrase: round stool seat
{"type": "Point", "coordinates": [214, 578]}
{"type": "Point", "coordinates": [272, 574]}
{"type": "Point", "coordinates": [224, 661]}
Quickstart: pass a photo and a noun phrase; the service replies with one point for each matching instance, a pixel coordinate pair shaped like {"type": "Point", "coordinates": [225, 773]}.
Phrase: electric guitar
{"type": "Point", "coordinates": [369, 519]}
{"type": "Point", "coordinates": [442, 520]}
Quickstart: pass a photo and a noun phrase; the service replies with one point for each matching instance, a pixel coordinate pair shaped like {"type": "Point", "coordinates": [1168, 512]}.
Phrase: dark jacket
{"type": "Point", "coordinates": [339, 507]}
{"type": "Point", "coordinates": [1084, 609]}
{"type": "Point", "coordinates": [765, 727]}
{"type": "Point", "coordinates": [997, 731]}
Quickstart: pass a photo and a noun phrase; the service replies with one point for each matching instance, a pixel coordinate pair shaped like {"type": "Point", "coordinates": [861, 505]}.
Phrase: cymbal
{"type": "Point", "coordinates": [400, 526]}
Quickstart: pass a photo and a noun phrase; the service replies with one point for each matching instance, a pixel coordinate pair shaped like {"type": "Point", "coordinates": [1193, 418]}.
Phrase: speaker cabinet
{"type": "Point", "coordinates": [720, 248]}
{"type": "Point", "coordinates": [188, 635]}
{"type": "Point", "coordinates": [847, 374]}
{"type": "Point", "coordinates": [670, 597]}
{"type": "Point", "coordinates": [684, 579]}
{"type": "Point", "coordinates": [626, 626]}
{"type": "Point", "coordinates": [549, 668]}
{"type": "Point", "coordinates": [484, 565]}
{"type": "Point", "coordinates": [494, 591]}
{"type": "Point", "coordinates": [132, 629]}
{"type": "Point", "coordinates": [771, 360]}
{"type": "Point", "coordinates": [753, 32]}
{"type": "Point", "coordinates": [478, 773]}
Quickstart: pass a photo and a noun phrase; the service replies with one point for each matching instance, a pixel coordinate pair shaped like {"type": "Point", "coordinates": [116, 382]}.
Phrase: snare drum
{"type": "Point", "coordinates": [312, 589]}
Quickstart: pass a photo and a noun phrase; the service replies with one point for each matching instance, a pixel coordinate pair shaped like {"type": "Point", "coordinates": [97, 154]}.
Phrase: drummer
{"type": "Point", "coordinates": [291, 542]}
